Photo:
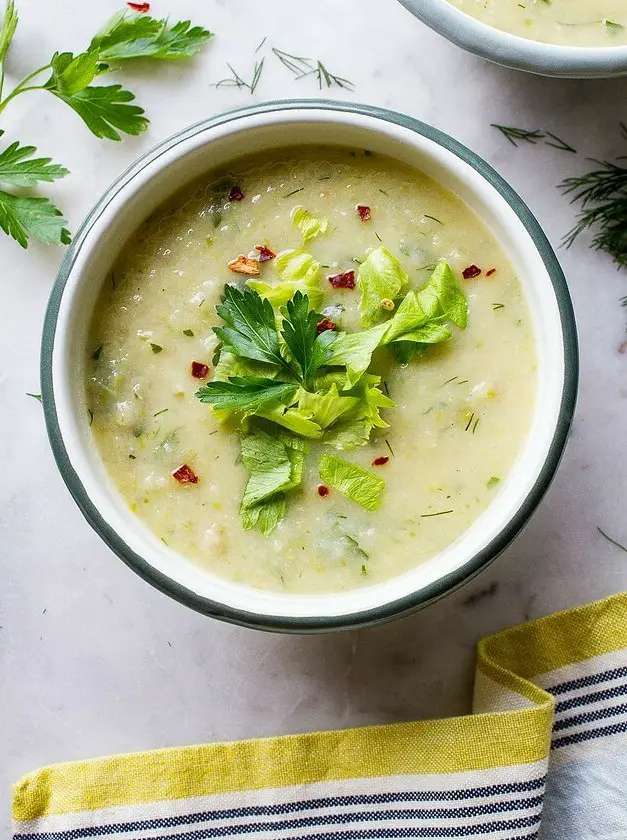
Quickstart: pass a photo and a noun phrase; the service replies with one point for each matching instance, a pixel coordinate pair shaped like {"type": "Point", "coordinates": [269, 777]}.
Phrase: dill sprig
{"type": "Point", "coordinates": [513, 134]}
{"type": "Point", "coordinates": [300, 66]}
{"type": "Point", "coordinates": [602, 195]}
{"type": "Point", "coordinates": [611, 539]}
{"type": "Point", "coordinates": [235, 80]}
{"type": "Point", "coordinates": [325, 77]}
{"type": "Point", "coordinates": [558, 143]}
{"type": "Point", "coordinates": [296, 64]}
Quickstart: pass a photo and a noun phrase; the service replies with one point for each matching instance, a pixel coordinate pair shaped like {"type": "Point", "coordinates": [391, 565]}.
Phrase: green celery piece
{"type": "Point", "coordinates": [355, 426]}
{"type": "Point", "coordinates": [405, 351]}
{"type": "Point", "coordinates": [354, 351]}
{"type": "Point", "coordinates": [359, 485]}
{"type": "Point", "coordinates": [267, 461]}
{"type": "Point", "coordinates": [326, 408]}
{"type": "Point", "coordinates": [295, 264]}
{"type": "Point", "coordinates": [275, 464]}
{"type": "Point", "coordinates": [433, 332]}
{"type": "Point", "coordinates": [348, 435]}
{"type": "Point", "coordinates": [299, 330]}
{"type": "Point", "coordinates": [299, 271]}
{"type": "Point", "coordinates": [265, 516]}
{"type": "Point", "coordinates": [250, 329]}
{"type": "Point", "coordinates": [310, 226]}
{"type": "Point", "coordinates": [245, 393]}
{"type": "Point", "coordinates": [408, 316]}
{"type": "Point", "coordinates": [443, 298]}
{"type": "Point", "coordinates": [294, 419]}
{"type": "Point", "coordinates": [279, 294]}
{"type": "Point", "coordinates": [380, 277]}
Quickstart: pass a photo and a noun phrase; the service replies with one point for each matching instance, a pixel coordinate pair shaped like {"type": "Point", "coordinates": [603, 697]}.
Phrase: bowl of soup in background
{"type": "Point", "coordinates": [535, 283]}
{"type": "Point", "coordinates": [584, 39]}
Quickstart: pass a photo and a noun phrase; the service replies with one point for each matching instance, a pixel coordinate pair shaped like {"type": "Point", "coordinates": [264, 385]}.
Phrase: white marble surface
{"type": "Point", "coordinates": [93, 660]}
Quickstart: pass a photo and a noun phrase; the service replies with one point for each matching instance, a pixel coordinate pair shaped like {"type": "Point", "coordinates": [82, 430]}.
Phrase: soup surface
{"type": "Point", "coordinates": [577, 23]}
{"type": "Point", "coordinates": [463, 403]}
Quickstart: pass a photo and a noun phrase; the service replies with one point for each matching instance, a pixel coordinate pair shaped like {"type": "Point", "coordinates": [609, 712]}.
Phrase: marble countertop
{"type": "Point", "coordinates": [94, 661]}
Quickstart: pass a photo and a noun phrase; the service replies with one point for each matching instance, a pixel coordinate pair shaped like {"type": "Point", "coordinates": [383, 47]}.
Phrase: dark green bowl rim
{"type": "Point", "coordinates": [410, 602]}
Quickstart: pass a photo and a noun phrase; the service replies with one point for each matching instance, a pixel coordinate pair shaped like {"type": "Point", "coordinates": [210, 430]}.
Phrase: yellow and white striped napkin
{"type": "Point", "coordinates": [543, 755]}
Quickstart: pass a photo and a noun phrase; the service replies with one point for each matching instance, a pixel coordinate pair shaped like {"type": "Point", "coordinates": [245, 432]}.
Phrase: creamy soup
{"type": "Point", "coordinates": [577, 23]}
{"type": "Point", "coordinates": [373, 500]}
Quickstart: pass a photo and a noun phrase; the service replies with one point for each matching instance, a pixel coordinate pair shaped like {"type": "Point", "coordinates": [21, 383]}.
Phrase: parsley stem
{"type": "Point", "coordinates": [23, 86]}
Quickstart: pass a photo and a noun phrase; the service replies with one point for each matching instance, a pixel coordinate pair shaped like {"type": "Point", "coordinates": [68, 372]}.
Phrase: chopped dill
{"type": "Point", "coordinates": [261, 43]}
{"type": "Point", "coordinates": [513, 134]}
{"type": "Point", "coordinates": [296, 64]}
{"type": "Point", "coordinates": [325, 77]}
{"type": "Point", "coordinates": [439, 513]}
{"type": "Point", "coordinates": [383, 191]}
{"type": "Point", "coordinates": [611, 539]}
{"type": "Point", "coordinates": [387, 443]}
{"type": "Point", "coordinates": [475, 424]}
{"type": "Point", "coordinates": [433, 219]}
{"type": "Point", "coordinates": [235, 80]}
{"type": "Point", "coordinates": [468, 424]}
{"type": "Point", "coordinates": [355, 545]}
{"type": "Point", "coordinates": [378, 237]}
{"type": "Point", "coordinates": [157, 413]}
{"type": "Point", "coordinates": [300, 189]}
{"type": "Point", "coordinates": [448, 381]}
{"type": "Point", "coordinates": [560, 144]}
{"type": "Point", "coordinates": [496, 306]}
{"type": "Point", "coordinates": [90, 414]}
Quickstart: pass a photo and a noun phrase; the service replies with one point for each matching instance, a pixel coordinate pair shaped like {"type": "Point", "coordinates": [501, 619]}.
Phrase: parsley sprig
{"type": "Point", "coordinates": [108, 111]}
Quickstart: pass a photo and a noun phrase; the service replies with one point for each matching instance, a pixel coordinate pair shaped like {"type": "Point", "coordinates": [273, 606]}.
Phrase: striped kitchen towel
{"type": "Point", "coordinates": [544, 755]}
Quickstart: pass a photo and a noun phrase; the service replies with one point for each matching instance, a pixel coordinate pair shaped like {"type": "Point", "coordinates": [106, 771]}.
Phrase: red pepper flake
{"type": "Point", "coordinates": [380, 461]}
{"type": "Point", "coordinates": [346, 280]}
{"type": "Point", "coordinates": [139, 7]}
{"type": "Point", "coordinates": [326, 324]}
{"type": "Point", "coordinates": [185, 475]}
{"type": "Point", "coordinates": [363, 212]}
{"type": "Point", "coordinates": [264, 253]}
{"type": "Point", "coordinates": [200, 370]}
{"type": "Point", "coordinates": [236, 194]}
{"type": "Point", "coordinates": [490, 272]}
{"type": "Point", "coordinates": [471, 271]}
{"type": "Point", "coordinates": [322, 490]}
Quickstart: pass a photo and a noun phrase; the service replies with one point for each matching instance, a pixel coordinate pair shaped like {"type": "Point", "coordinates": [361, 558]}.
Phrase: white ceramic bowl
{"type": "Point", "coordinates": [513, 51]}
{"type": "Point", "coordinates": [181, 159]}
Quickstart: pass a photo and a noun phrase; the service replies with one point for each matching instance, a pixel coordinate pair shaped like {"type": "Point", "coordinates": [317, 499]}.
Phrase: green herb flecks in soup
{"type": "Point", "coordinates": [311, 373]}
{"type": "Point", "coordinates": [589, 23]}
